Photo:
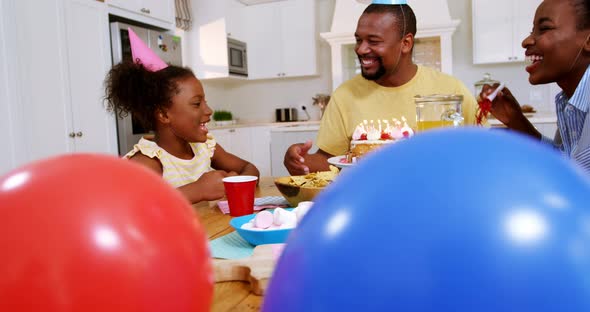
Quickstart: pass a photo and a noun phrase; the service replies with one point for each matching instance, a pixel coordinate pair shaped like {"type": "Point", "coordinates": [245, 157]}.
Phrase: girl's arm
{"type": "Point", "coordinates": [222, 160]}
{"type": "Point", "coordinates": [208, 187]}
{"type": "Point", "coordinates": [151, 163]}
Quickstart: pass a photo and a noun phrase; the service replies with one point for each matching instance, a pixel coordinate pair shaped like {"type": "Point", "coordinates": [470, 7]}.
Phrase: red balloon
{"type": "Point", "coordinates": [97, 233]}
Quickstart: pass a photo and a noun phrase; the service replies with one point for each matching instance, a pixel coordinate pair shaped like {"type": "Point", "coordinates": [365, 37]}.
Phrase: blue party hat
{"type": "Point", "coordinates": [392, 2]}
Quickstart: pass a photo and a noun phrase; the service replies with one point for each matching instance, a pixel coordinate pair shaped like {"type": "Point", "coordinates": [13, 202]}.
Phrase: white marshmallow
{"type": "Point", "coordinates": [302, 209]}
{"type": "Point", "coordinates": [284, 218]}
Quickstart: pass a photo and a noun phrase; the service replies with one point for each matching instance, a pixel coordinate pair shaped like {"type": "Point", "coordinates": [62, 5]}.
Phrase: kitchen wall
{"type": "Point", "coordinates": [256, 100]}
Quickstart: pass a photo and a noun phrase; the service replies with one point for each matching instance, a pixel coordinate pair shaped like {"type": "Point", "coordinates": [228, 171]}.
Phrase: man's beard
{"type": "Point", "coordinates": [378, 74]}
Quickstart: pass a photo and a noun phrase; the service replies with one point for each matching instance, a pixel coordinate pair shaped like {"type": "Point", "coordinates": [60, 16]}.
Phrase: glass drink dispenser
{"type": "Point", "coordinates": [438, 110]}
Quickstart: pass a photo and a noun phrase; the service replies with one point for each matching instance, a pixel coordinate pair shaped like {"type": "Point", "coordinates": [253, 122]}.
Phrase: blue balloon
{"type": "Point", "coordinates": [451, 220]}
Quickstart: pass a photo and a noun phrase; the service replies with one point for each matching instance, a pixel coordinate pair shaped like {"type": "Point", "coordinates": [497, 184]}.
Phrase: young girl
{"type": "Point", "coordinates": [171, 101]}
{"type": "Point", "coordinates": [559, 51]}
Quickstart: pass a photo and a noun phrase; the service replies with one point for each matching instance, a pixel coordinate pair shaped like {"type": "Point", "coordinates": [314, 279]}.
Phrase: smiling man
{"type": "Point", "coordinates": [385, 89]}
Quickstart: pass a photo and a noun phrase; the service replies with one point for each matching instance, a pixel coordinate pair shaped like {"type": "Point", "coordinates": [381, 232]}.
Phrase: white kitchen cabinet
{"type": "Point", "coordinates": [261, 149]}
{"type": "Point", "coordinates": [87, 32]}
{"type": "Point", "coordinates": [59, 62]}
{"type": "Point", "coordinates": [235, 140]}
{"type": "Point", "coordinates": [282, 138]}
{"type": "Point", "coordinates": [249, 143]}
{"type": "Point", "coordinates": [499, 26]}
{"type": "Point", "coordinates": [282, 39]}
{"type": "Point", "coordinates": [222, 137]}
{"type": "Point", "coordinates": [155, 12]}
{"type": "Point", "coordinates": [264, 41]}
{"type": "Point", "coordinates": [206, 42]}
{"type": "Point", "coordinates": [235, 20]}
{"type": "Point", "coordinates": [546, 123]}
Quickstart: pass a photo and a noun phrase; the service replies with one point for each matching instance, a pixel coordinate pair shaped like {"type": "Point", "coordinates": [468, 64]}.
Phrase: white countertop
{"type": "Point", "coordinates": [276, 126]}
{"type": "Point", "coordinates": [296, 128]}
{"type": "Point", "coordinates": [534, 118]}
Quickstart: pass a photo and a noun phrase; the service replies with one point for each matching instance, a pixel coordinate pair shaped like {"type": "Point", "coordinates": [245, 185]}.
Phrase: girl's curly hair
{"type": "Point", "coordinates": [131, 88]}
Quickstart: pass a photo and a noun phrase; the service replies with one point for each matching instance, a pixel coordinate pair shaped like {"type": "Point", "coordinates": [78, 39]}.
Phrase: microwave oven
{"type": "Point", "coordinates": [237, 57]}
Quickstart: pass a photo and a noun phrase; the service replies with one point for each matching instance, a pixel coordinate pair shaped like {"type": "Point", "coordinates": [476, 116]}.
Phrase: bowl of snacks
{"type": "Point", "coordinates": [297, 189]}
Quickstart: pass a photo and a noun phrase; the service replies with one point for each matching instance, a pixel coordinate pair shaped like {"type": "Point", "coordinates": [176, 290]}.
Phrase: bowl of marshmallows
{"type": "Point", "coordinates": [270, 226]}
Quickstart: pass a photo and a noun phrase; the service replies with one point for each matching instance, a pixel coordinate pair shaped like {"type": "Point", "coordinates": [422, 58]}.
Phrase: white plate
{"type": "Point", "coordinates": [336, 161]}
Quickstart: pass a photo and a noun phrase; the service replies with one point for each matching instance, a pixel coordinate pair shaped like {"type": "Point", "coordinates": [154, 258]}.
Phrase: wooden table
{"type": "Point", "coordinates": [231, 296]}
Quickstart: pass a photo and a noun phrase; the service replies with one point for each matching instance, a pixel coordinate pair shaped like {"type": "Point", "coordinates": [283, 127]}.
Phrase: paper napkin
{"type": "Point", "coordinates": [259, 203]}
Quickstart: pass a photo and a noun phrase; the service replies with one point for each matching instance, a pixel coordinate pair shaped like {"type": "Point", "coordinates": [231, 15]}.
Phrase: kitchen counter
{"type": "Point", "coordinates": [534, 118]}
{"type": "Point", "coordinates": [545, 122]}
{"type": "Point", "coordinates": [296, 128]}
{"type": "Point", "coordinates": [292, 124]}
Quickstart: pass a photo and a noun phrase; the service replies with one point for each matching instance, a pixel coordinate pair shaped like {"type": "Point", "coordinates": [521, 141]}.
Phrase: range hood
{"type": "Point", "coordinates": [432, 17]}
{"type": "Point", "coordinates": [253, 2]}
{"type": "Point", "coordinates": [431, 14]}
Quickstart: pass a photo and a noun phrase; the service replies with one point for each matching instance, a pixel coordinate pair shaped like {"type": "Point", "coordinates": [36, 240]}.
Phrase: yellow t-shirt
{"type": "Point", "coordinates": [176, 171]}
{"type": "Point", "coordinates": [360, 99]}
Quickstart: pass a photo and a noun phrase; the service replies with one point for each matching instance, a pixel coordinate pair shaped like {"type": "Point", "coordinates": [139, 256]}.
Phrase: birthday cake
{"type": "Point", "coordinates": [370, 135]}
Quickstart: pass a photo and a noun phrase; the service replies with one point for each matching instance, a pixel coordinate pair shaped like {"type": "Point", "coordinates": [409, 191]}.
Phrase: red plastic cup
{"type": "Point", "coordinates": [240, 194]}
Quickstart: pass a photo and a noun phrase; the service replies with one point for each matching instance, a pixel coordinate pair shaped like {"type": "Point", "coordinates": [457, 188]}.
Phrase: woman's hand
{"type": "Point", "coordinates": [504, 107]}
{"type": "Point", "coordinates": [507, 110]}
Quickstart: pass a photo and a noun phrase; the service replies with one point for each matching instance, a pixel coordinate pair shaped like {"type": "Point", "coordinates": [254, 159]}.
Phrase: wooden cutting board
{"type": "Point", "coordinates": [256, 269]}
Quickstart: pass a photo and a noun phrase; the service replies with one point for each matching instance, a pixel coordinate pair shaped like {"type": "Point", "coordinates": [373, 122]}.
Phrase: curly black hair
{"type": "Point", "coordinates": [404, 16]}
{"type": "Point", "coordinates": [131, 88]}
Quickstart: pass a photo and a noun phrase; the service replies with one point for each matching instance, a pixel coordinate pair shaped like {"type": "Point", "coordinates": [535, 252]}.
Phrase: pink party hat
{"type": "Point", "coordinates": [139, 50]}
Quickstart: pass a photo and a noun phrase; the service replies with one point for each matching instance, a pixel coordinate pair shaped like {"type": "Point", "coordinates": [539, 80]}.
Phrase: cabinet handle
{"type": "Point", "coordinates": [232, 130]}
{"type": "Point", "coordinates": [72, 135]}
{"type": "Point", "coordinates": [79, 134]}
{"type": "Point", "coordinates": [229, 34]}
{"type": "Point", "coordinates": [146, 11]}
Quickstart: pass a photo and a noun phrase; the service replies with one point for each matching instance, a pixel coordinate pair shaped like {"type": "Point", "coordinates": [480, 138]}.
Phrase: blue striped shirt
{"type": "Point", "coordinates": [573, 137]}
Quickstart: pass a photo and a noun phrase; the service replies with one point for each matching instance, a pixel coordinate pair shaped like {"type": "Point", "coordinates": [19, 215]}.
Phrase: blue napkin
{"type": "Point", "coordinates": [230, 246]}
